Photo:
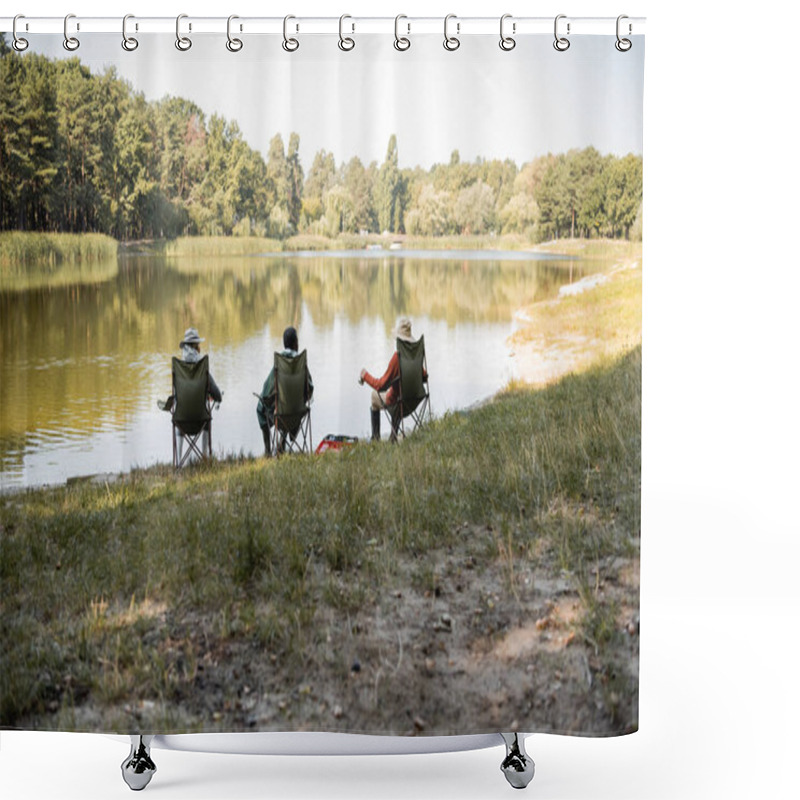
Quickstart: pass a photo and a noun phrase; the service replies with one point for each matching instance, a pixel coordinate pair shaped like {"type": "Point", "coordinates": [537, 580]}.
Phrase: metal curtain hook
{"type": "Point", "coordinates": [345, 42]}
{"type": "Point", "coordinates": [128, 42]}
{"type": "Point", "coordinates": [289, 44]}
{"type": "Point", "coordinates": [20, 44]}
{"type": "Point", "coordinates": [561, 43]}
{"type": "Point", "coordinates": [71, 43]}
{"type": "Point", "coordinates": [233, 44]}
{"type": "Point", "coordinates": [623, 45]}
{"type": "Point", "coordinates": [507, 42]}
{"type": "Point", "coordinates": [451, 42]}
{"type": "Point", "coordinates": [401, 42]}
{"type": "Point", "coordinates": [183, 43]}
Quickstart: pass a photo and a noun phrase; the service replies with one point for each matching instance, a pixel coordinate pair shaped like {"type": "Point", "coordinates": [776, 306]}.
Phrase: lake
{"type": "Point", "coordinates": [85, 356]}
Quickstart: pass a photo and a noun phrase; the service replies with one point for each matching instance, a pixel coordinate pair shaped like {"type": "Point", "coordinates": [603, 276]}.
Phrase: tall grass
{"type": "Point", "coordinates": [253, 548]}
{"type": "Point", "coordinates": [20, 249]}
{"type": "Point", "coordinates": [221, 246]}
{"type": "Point", "coordinates": [604, 249]}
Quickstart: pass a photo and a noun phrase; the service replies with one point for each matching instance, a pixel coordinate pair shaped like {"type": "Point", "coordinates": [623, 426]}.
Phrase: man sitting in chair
{"type": "Point", "coordinates": [385, 388]}
{"type": "Point", "coordinates": [265, 410]}
{"type": "Point", "coordinates": [190, 354]}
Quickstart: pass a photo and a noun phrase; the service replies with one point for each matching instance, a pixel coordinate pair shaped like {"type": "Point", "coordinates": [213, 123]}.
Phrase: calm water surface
{"type": "Point", "coordinates": [84, 359]}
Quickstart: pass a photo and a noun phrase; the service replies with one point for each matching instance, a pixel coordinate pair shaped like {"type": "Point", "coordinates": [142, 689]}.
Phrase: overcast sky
{"type": "Point", "coordinates": [478, 99]}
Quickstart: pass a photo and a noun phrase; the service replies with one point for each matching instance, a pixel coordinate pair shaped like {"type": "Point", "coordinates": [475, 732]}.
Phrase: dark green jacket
{"type": "Point", "coordinates": [265, 409]}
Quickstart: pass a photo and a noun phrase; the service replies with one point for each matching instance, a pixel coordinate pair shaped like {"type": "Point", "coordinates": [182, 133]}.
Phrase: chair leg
{"type": "Point", "coordinates": [265, 436]}
{"type": "Point", "coordinates": [517, 766]}
{"type": "Point", "coordinates": [138, 768]}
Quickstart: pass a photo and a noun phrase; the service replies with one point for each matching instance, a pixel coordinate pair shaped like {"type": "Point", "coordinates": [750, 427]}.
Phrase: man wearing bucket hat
{"type": "Point", "coordinates": [190, 353]}
{"type": "Point", "coordinates": [384, 389]}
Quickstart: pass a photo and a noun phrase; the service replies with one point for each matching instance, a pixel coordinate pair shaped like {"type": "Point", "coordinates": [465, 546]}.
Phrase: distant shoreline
{"type": "Point", "coordinates": [26, 247]}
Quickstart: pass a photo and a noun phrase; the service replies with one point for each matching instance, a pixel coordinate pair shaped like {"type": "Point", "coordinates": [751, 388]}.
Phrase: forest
{"type": "Point", "coordinates": [84, 152]}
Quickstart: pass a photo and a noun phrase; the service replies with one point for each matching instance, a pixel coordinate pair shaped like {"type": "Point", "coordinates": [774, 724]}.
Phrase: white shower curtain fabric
{"type": "Point", "coordinates": [472, 571]}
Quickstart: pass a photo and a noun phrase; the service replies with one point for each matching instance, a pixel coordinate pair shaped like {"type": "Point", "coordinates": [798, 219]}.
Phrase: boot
{"type": "Point", "coordinates": [375, 416]}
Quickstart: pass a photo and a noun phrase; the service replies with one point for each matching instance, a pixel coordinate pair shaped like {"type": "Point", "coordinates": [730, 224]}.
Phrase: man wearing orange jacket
{"type": "Point", "coordinates": [384, 389]}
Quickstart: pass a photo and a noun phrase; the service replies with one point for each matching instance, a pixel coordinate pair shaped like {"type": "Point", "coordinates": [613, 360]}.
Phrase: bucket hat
{"type": "Point", "coordinates": [191, 336]}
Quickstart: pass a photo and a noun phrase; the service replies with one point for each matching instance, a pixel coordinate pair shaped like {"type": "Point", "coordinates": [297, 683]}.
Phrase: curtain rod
{"type": "Point", "coordinates": [462, 26]}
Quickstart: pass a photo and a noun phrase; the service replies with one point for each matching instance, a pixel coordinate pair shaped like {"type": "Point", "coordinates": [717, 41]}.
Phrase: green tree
{"type": "Point", "coordinates": [11, 78]}
{"type": "Point", "coordinates": [79, 153]}
{"type": "Point", "coordinates": [474, 211]}
{"type": "Point", "coordinates": [389, 192]}
{"type": "Point", "coordinates": [430, 216]}
{"type": "Point", "coordinates": [623, 194]}
{"type": "Point", "coordinates": [519, 214]}
{"type": "Point", "coordinates": [137, 191]}
{"type": "Point", "coordinates": [320, 178]}
{"type": "Point", "coordinates": [295, 182]}
{"type": "Point", "coordinates": [249, 189]}
{"type": "Point", "coordinates": [357, 184]}
{"type": "Point", "coordinates": [32, 141]}
{"type": "Point", "coordinates": [278, 173]}
{"type": "Point", "coordinates": [182, 134]}
{"type": "Point", "coordinates": [582, 167]}
{"type": "Point", "coordinates": [338, 211]}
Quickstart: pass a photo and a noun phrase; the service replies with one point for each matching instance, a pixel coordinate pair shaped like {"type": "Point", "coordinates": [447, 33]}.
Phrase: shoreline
{"type": "Point", "coordinates": [541, 357]}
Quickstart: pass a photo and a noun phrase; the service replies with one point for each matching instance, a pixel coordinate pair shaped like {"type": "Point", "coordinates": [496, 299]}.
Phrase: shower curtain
{"type": "Point", "coordinates": [234, 195]}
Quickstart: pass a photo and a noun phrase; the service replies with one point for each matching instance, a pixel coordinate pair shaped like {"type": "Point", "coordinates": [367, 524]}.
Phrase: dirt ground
{"type": "Point", "coordinates": [480, 650]}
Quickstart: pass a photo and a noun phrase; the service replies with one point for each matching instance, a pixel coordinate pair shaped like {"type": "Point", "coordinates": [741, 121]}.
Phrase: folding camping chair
{"type": "Point", "coordinates": [292, 421]}
{"type": "Point", "coordinates": [191, 411]}
{"type": "Point", "coordinates": [413, 397]}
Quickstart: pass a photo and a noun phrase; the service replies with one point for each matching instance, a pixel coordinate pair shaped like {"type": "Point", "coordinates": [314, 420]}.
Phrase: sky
{"type": "Point", "coordinates": [480, 100]}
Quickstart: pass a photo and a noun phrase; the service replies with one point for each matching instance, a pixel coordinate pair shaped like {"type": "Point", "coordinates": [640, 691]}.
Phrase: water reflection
{"type": "Point", "coordinates": [83, 363]}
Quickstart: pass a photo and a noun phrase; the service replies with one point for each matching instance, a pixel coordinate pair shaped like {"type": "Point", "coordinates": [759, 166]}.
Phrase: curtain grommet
{"type": "Point", "coordinates": [507, 43]}
{"type": "Point", "coordinates": [19, 44]}
{"type": "Point", "coordinates": [289, 44]}
{"type": "Point", "coordinates": [129, 43]}
{"type": "Point", "coordinates": [183, 43]}
{"type": "Point", "coordinates": [346, 43]}
{"type": "Point", "coordinates": [623, 45]}
{"type": "Point", "coordinates": [451, 43]}
{"type": "Point", "coordinates": [71, 43]}
{"type": "Point", "coordinates": [233, 44]}
{"type": "Point", "coordinates": [561, 43]}
{"type": "Point", "coordinates": [401, 43]}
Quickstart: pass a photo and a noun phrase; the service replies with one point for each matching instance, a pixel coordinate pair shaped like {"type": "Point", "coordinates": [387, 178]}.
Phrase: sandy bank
{"type": "Point", "coordinates": [555, 337]}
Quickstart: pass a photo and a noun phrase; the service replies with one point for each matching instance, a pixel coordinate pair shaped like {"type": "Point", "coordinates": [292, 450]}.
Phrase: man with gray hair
{"type": "Point", "coordinates": [385, 388]}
